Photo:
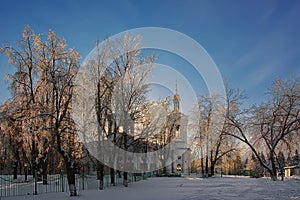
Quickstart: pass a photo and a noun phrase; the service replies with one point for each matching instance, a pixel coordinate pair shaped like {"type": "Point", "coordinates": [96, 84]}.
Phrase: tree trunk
{"type": "Point", "coordinates": [71, 181]}
{"type": "Point", "coordinates": [33, 157]}
{"type": "Point", "coordinates": [112, 170]}
{"type": "Point", "coordinates": [206, 166]}
{"type": "Point", "coordinates": [125, 174]}
{"type": "Point", "coordinates": [20, 169]}
{"type": "Point", "coordinates": [212, 169]}
{"type": "Point", "coordinates": [26, 172]}
{"type": "Point", "coordinates": [212, 164]}
{"type": "Point", "coordinates": [125, 179]}
{"type": "Point", "coordinates": [273, 176]}
{"type": "Point", "coordinates": [15, 168]}
{"type": "Point", "coordinates": [202, 167]}
{"type": "Point", "coordinates": [70, 165]}
{"type": "Point", "coordinates": [172, 168]}
{"type": "Point", "coordinates": [112, 176]}
{"type": "Point", "coordinates": [273, 173]}
{"type": "Point", "coordinates": [164, 170]}
{"type": "Point", "coordinates": [100, 174]}
{"type": "Point", "coordinates": [282, 174]}
{"type": "Point", "coordinates": [44, 172]}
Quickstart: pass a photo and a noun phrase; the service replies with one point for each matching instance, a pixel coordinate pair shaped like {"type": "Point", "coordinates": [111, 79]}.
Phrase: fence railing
{"type": "Point", "coordinates": [56, 183]}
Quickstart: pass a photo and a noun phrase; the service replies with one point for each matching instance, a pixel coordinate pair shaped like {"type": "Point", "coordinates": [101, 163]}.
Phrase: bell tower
{"type": "Point", "coordinates": [176, 99]}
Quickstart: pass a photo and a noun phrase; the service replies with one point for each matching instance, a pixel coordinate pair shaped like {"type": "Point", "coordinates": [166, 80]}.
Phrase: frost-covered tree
{"type": "Point", "coordinates": [42, 89]}
{"type": "Point", "coordinates": [25, 59]}
{"type": "Point", "coordinates": [211, 142]}
{"type": "Point", "coordinates": [59, 67]}
{"type": "Point", "coordinates": [127, 85]}
{"type": "Point", "coordinates": [118, 72]}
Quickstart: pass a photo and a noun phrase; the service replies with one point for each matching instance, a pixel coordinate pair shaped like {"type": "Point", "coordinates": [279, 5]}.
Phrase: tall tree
{"type": "Point", "coordinates": [59, 67]}
{"type": "Point", "coordinates": [25, 59]}
{"type": "Point", "coordinates": [43, 85]}
{"type": "Point", "coordinates": [212, 143]}
{"type": "Point", "coordinates": [119, 78]}
{"type": "Point", "coordinates": [132, 70]}
{"type": "Point", "coordinates": [270, 124]}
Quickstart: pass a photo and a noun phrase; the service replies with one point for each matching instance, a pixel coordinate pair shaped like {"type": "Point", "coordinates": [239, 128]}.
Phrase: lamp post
{"type": "Point", "coordinates": [125, 177]}
{"type": "Point", "coordinates": [26, 171]}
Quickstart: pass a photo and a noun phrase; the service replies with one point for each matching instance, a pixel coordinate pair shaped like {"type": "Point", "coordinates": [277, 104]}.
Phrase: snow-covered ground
{"type": "Point", "coordinates": [186, 188]}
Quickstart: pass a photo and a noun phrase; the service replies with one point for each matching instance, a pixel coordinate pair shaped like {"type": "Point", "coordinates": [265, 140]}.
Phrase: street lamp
{"type": "Point", "coordinates": [125, 176]}
{"type": "Point", "coordinates": [26, 170]}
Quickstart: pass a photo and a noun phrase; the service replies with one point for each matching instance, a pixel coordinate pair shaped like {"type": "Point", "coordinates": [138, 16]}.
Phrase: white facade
{"type": "Point", "coordinates": [181, 155]}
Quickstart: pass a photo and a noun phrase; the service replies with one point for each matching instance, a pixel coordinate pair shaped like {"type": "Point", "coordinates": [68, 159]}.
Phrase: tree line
{"type": "Point", "coordinates": [38, 131]}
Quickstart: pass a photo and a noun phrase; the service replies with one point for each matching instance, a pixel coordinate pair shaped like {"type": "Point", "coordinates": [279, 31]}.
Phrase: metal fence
{"type": "Point", "coordinates": [56, 183]}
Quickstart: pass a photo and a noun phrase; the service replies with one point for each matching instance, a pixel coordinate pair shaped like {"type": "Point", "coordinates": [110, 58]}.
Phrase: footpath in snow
{"type": "Point", "coordinates": [186, 188]}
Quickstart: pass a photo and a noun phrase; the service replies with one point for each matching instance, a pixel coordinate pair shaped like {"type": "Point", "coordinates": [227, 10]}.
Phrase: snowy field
{"type": "Point", "coordinates": [186, 188]}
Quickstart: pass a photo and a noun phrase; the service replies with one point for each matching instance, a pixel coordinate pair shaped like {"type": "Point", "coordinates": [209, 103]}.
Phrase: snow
{"type": "Point", "coordinates": [186, 188]}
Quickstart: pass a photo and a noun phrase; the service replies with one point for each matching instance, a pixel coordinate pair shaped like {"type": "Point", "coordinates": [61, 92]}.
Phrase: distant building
{"type": "Point", "coordinates": [292, 171]}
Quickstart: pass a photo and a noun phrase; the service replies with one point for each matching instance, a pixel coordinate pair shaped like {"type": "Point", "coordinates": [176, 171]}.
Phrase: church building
{"type": "Point", "coordinates": [176, 130]}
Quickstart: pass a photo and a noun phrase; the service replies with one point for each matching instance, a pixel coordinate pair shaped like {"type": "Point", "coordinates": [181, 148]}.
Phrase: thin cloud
{"type": "Point", "coordinates": [273, 52]}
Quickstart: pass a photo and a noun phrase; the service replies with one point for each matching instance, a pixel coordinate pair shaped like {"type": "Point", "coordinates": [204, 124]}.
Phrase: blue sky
{"type": "Point", "coordinates": [251, 42]}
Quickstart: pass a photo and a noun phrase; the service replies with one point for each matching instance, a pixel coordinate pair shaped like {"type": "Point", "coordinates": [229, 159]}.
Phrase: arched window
{"type": "Point", "coordinates": [178, 167]}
